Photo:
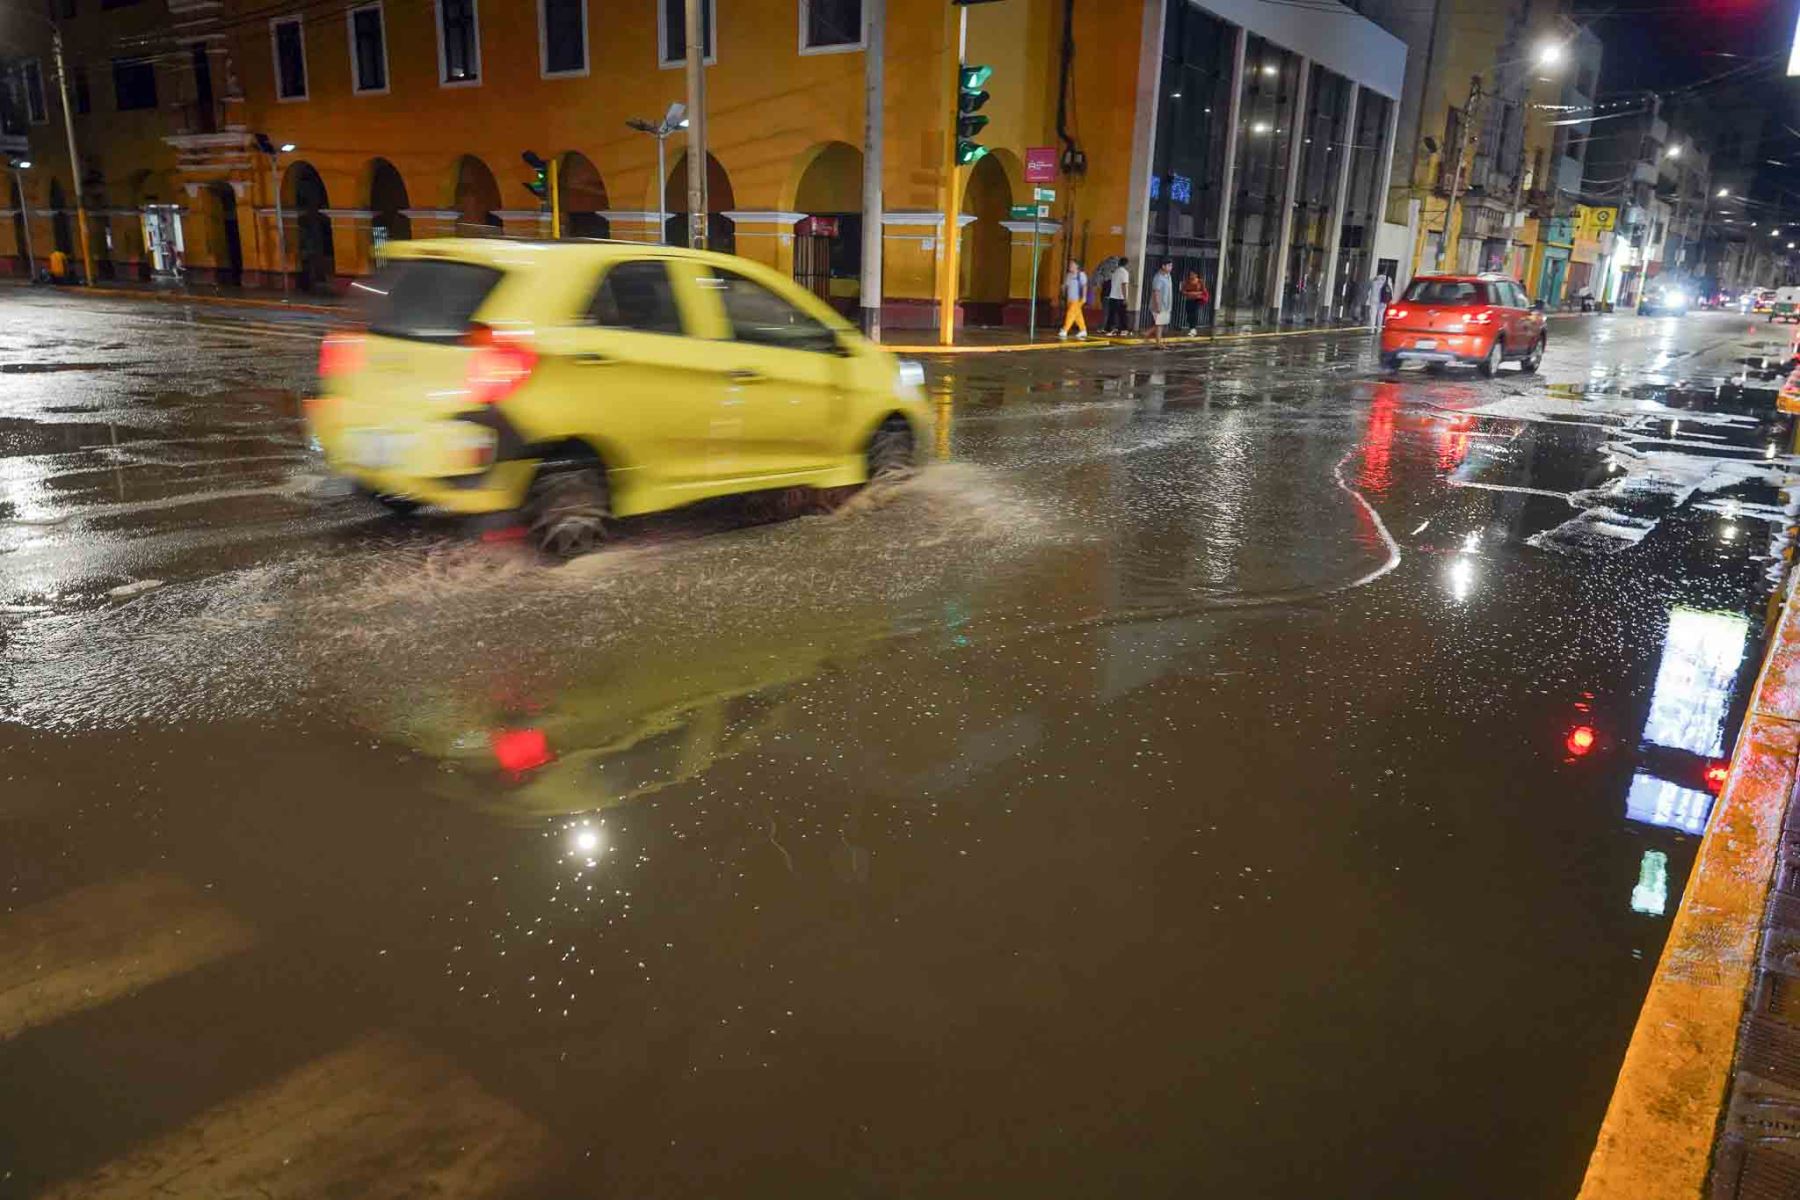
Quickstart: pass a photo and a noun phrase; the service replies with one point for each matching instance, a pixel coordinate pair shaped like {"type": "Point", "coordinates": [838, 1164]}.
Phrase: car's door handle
{"type": "Point", "coordinates": [744, 376]}
{"type": "Point", "coordinates": [594, 360]}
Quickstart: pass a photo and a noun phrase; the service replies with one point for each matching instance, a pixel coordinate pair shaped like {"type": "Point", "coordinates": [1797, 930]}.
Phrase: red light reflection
{"type": "Point", "coordinates": [520, 750]}
{"type": "Point", "coordinates": [1581, 739]}
{"type": "Point", "coordinates": [1715, 777]}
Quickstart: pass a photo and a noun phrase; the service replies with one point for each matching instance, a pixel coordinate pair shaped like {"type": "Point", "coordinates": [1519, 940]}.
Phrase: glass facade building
{"type": "Point", "coordinates": [1268, 171]}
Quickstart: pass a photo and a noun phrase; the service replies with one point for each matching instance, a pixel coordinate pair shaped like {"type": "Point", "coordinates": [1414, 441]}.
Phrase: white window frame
{"type": "Point", "coordinates": [663, 60]}
{"type": "Point", "coordinates": [862, 34]}
{"type": "Point", "coordinates": [544, 71]}
{"type": "Point", "coordinates": [275, 57]}
{"type": "Point", "coordinates": [42, 116]}
{"type": "Point", "coordinates": [387, 72]}
{"type": "Point", "coordinates": [437, 22]}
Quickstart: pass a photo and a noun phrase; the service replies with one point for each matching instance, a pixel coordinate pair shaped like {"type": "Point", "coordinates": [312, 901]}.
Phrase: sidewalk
{"type": "Point", "coordinates": [1711, 1079]}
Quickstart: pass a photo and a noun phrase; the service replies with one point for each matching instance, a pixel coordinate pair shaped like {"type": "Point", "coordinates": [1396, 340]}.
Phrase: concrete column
{"type": "Point", "coordinates": [633, 225]}
{"type": "Point", "coordinates": [1284, 240]}
{"type": "Point", "coordinates": [1143, 138]}
{"type": "Point", "coordinates": [1334, 236]}
{"type": "Point", "coordinates": [766, 235]}
{"type": "Point", "coordinates": [432, 222]}
{"type": "Point", "coordinates": [352, 250]}
{"type": "Point", "coordinates": [1228, 182]}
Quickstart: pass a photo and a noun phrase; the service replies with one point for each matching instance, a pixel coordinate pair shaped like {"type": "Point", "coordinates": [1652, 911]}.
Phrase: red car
{"type": "Point", "coordinates": [1481, 320]}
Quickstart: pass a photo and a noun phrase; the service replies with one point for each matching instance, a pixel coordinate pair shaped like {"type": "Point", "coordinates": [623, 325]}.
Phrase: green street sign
{"type": "Point", "coordinates": [1043, 195]}
{"type": "Point", "coordinates": [1023, 212]}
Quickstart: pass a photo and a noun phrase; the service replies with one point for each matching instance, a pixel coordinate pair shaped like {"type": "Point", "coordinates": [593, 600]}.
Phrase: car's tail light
{"type": "Point", "coordinates": [1396, 314]}
{"type": "Point", "coordinates": [1482, 316]}
{"type": "Point", "coordinates": [499, 364]}
{"type": "Point", "coordinates": [341, 354]}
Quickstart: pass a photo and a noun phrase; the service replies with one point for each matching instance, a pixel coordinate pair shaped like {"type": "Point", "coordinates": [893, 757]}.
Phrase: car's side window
{"type": "Point", "coordinates": [636, 295]}
{"type": "Point", "coordinates": [1518, 296]}
{"type": "Point", "coordinates": [756, 314]}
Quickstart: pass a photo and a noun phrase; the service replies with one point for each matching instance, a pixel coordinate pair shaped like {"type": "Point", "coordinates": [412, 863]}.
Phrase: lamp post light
{"type": "Point", "coordinates": [19, 166]}
{"type": "Point", "coordinates": [676, 118]}
{"type": "Point", "coordinates": [275, 152]}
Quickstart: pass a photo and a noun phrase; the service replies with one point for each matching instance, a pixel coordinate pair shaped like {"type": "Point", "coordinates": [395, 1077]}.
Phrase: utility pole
{"type": "Point", "coordinates": [952, 189]}
{"type": "Point", "coordinates": [25, 221]}
{"type": "Point", "coordinates": [62, 86]}
{"type": "Point", "coordinates": [1471, 113]}
{"type": "Point", "coordinates": [874, 109]}
{"type": "Point", "coordinates": [696, 108]}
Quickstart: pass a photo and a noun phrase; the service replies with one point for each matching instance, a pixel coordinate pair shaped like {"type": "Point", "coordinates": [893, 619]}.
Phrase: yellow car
{"type": "Point", "coordinates": [577, 382]}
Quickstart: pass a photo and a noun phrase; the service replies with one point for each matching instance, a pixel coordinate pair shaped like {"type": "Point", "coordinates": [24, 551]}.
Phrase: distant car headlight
{"type": "Point", "coordinates": [912, 374]}
{"type": "Point", "coordinates": [1676, 299]}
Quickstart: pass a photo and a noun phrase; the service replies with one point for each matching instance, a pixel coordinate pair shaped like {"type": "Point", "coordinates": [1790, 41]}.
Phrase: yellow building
{"type": "Point", "coordinates": [409, 120]}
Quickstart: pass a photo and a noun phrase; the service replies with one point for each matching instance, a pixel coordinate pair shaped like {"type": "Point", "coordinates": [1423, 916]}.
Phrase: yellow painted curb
{"type": "Point", "coordinates": [220, 301]}
{"type": "Point", "coordinates": [1096, 342]}
{"type": "Point", "coordinates": [1656, 1141]}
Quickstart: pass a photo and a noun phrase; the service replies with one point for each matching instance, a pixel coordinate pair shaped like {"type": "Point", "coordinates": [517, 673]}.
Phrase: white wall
{"type": "Point", "coordinates": [1344, 42]}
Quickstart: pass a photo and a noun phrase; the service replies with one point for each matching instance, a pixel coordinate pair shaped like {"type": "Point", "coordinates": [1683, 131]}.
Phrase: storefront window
{"type": "Point", "coordinates": [1265, 131]}
{"type": "Point", "coordinates": [1363, 204]}
{"type": "Point", "coordinates": [1190, 147]}
{"type": "Point", "coordinates": [1323, 143]}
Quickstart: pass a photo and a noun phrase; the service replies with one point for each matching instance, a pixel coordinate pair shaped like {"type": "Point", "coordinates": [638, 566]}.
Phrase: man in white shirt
{"type": "Point", "coordinates": [1118, 299]}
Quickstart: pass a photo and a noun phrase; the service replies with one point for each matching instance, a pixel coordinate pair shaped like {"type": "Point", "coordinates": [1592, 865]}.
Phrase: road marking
{"type": "Point", "coordinates": [379, 1118]}
{"type": "Point", "coordinates": [95, 944]}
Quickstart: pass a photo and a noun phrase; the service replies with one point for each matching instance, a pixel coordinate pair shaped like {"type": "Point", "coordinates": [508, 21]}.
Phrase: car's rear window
{"type": "Point", "coordinates": [429, 300]}
{"type": "Point", "coordinates": [1444, 292]}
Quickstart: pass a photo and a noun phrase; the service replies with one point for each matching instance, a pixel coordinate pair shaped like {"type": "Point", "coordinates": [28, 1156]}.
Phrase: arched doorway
{"type": "Point", "coordinates": [315, 262]}
{"type": "Point", "coordinates": [225, 247]}
{"type": "Point", "coordinates": [388, 201]}
{"type": "Point", "coordinates": [583, 196]}
{"type": "Point", "coordinates": [828, 242]}
{"type": "Point", "coordinates": [721, 235]}
{"type": "Point", "coordinates": [62, 227]}
{"type": "Point", "coordinates": [987, 247]}
{"type": "Point", "coordinates": [477, 199]}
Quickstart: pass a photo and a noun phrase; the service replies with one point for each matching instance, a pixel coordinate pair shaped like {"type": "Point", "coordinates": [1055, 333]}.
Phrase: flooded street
{"type": "Point", "coordinates": [1223, 770]}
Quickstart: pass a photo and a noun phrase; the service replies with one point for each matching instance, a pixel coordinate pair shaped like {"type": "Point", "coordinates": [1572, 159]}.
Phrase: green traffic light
{"type": "Point", "coordinates": [971, 78]}
{"type": "Point", "coordinates": [969, 152]}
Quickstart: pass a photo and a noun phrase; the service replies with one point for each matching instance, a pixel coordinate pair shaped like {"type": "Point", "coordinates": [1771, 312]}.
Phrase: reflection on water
{"type": "Point", "coordinates": [1653, 801]}
{"type": "Point", "coordinates": [1651, 894]}
{"type": "Point", "coordinates": [1702, 652]}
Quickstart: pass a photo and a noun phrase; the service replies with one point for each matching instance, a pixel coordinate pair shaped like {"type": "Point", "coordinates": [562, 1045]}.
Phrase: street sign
{"type": "Point", "coordinates": [1043, 210]}
{"type": "Point", "coordinates": [1043, 195]}
{"type": "Point", "coordinates": [1040, 164]}
{"type": "Point", "coordinates": [1022, 212]}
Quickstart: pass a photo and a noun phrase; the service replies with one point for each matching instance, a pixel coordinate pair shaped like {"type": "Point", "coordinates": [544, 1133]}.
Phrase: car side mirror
{"type": "Point", "coordinates": [1537, 306]}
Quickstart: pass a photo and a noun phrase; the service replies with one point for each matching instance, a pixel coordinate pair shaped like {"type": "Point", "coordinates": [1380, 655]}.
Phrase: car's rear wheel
{"type": "Point", "coordinates": [399, 506]}
{"type": "Point", "coordinates": [1532, 360]}
{"type": "Point", "coordinates": [1490, 366]}
{"type": "Point", "coordinates": [890, 453]}
{"type": "Point", "coordinates": [568, 508]}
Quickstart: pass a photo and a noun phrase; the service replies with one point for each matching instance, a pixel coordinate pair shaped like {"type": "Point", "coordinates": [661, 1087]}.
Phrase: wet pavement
{"type": "Point", "coordinates": [1223, 771]}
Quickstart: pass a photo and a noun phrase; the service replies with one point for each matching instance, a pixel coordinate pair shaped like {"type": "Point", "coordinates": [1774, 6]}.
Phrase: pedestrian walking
{"type": "Point", "coordinates": [1162, 300]}
{"type": "Point", "coordinates": [1381, 290]}
{"type": "Point", "coordinates": [1193, 291]}
{"type": "Point", "coordinates": [1118, 297]}
{"type": "Point", "coordinates": [1075, 294]}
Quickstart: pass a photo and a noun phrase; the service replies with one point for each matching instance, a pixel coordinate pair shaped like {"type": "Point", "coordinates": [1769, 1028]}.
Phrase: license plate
{"type": "Point", "coordinates": [1425, 344]}
{"type": "Point", "coordinates": [378, 448]}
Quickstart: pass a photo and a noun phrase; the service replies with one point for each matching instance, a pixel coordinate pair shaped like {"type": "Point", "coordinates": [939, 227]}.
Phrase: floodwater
{"type": "Point", "coordinates": [1226, 771]}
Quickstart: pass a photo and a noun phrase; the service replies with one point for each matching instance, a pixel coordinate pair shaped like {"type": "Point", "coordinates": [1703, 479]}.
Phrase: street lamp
{"type": "Point", "coordinates": [1550, 54]}
{"type": "Point", "coordinates": [1672, 152]}
{"type": "Point", "coordinates": [275, 152]}
{"type": "Point", "coordinates": [18, 166]}
{"type": "Point", "coordinates": [1723, 192]}
{"type": "Point", "coordinates": [675, 118]}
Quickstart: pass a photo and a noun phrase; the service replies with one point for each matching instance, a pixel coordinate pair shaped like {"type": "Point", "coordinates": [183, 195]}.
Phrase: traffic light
{"type": "Point", "coordinates": [970, 96]}
{"type": "Point", "coordinates": [539, 184]}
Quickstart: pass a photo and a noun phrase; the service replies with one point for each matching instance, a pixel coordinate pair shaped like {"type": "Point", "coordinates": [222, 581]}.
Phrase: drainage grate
{"type": "Point", "coordinates": [1768, 1175]}
{"type": "Point", "coordinates": [1780, 999]}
